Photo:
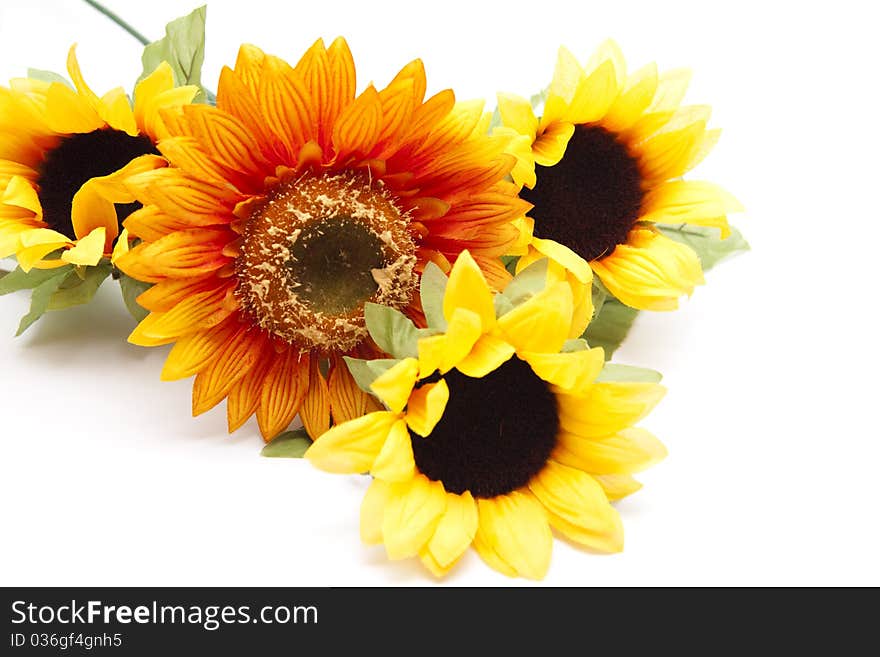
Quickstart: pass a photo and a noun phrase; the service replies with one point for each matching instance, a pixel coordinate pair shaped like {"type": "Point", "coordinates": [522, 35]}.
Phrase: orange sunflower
{"type": "Point", "coordinates": [292, 204]}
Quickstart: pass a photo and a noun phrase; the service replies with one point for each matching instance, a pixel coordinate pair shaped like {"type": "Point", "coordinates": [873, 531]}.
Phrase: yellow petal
{"type": "Point", "coordinates": [443, 352]}
{"type": "Point", "coordinates": [147, 90]}
{"type": "Point", "coordinates": [607, 407]}
{"type": "Point", "coordinates": [575, 370]}
{"type": "Point", "coordinates": [650, 271]}
{"type": "Point", "coordinates": [426, 406]}
{"type": "Point", "coordinates": [594, 95]}
{"type": "Point", "coordinates": [395, 461]}
{"type": "Point", "coordinates": [76, 76]}
{"type": "Point", "coordinates": [617, 487]}
{"type": "Point", "coordinates": [516, 113]}
{"type": "Point", "coordinates": [30, 257]}
{"type": "Point", "coordinates": [549, 148]}
{"type": "Point", "coordinates": [488, 354]}
{"type": "Point", "coordinates": [570, 260]}
{"type": "Point", "coordinates": [352, 447]}
{"type": "Point", "coordinates": [411, 516]}
{"type": "Point", "coordinates": [515, 535]}
{"type": "Point", "coordinates": [122, 246]}
{"type": "Point", "coordinates": [467, 288]}
{"type": "Point", "coordinates": [542, 323]}
{"type": "Point", "coordinates": [634, 101]}
{"type": "Point", "coordinates": [116, 111]}
{"type": "Point", "coordinates": [626, 452]}
{"type": "Point", "coordinates": [671, 89]}
{"type": "Point", "coordinates": [67, 112]}
{"type": "Point", "coordinates": [373, 510]}
{"type": "Point", "coordinates": [394, 385]}
{"type": "Point", "coordinates": [578, 507]}
{"type": "Point", "coordinates": [88, 250]}
{"type": "Point", "coordinates": [455, 531]}
{"type": "Point", "coordinates": [690, 202]}
{"type": "Point", "coordinates": [608, 51]}
{"type": "Point", "coordinates": [567, 76]}
{"type": "Point", "coordinates": [21, 193]}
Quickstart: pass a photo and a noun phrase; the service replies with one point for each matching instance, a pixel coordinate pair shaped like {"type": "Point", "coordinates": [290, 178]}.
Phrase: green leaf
{"type": "Point", "coordinates": [79, 288]}
{"type": "Point", "coordinates": [288, 445]}
{"type": "Point", "coordinates": [610, 326]}
{"type": "Point", "coordinates": [131, 290]}
{"type": "Point", "coordinates": [527, 283]}
{"type": "Point", "coordinates": [40, 299]}
{"type": "Point", "coordinates": [432, 289]}
{"type": "Point", "coordinates": [502, 305]}
{"type": "Point", "coordinates": [183, 47]}
{"type": "Point", "coordinates": [365, 372]}
{"type": "Point", "coordinates": [707, 242]}
{"type": "Point", "coordinates": [628, 373]}
{"type": "Point", "coordinates": [48, 76]}
{"type": "Point", "coordinates": [392, 331]}
{"type": "Point", "coordinates": [19, 280]}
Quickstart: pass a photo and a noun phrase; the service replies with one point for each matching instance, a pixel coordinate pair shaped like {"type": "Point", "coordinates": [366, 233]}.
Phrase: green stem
{"type": "Point", "coordinates": [116, 19]}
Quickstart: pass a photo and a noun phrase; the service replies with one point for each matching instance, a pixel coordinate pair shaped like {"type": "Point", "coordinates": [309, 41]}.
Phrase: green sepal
{"type": "Point", "coordinates": [577, 344]}
{"type": "Point", "coordinates": [288, 445]}
{"type": "Point", "coordinates": [393, 331]}
{"type": "Point", "coordinates": [610, 326]}
{"type": "Point", "coordinates": [529, 282]}
{"type": "Point", "coordinates": [629, 374]}
{"type": "Point", "coordinates": [80, 286]}
{"type": "Point", "coordinates": [40, 299]}
{"type": "Point", "coordinates": [131, 290]}
{"type": "Point", "coordinates": [509, 263]}
{"type": "Point", "coordinates": [365, 372]}
{"type": "Point", "coordinates": [431, 291]}
{"type": "Point", "coordinates": [48, 76]}
{"type": "Point", "coordinates": [707, 242]}
{"type": "Point", "coordinates": [183, 47]}
{"type": "Point", "coordinates": [18, 279]}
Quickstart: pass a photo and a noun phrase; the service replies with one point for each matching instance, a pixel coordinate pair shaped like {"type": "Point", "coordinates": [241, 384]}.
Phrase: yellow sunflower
{"type": "Point", "coordinates": [292, 204]}
{"type": "Point", "coordinates": [64, 156]}
{"type": "Point", "coordinates": [605, 161]}
{"type": "Point", "coordinates": [496, 432]}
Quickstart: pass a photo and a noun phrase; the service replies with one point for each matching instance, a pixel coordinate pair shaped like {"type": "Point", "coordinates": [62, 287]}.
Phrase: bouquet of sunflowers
{"type": "Point", "coordinates": [434, 291]}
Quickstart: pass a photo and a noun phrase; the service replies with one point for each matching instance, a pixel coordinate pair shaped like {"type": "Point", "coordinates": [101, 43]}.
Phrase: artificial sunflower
{"type": "Point", "coordinates": [603, 163]}
{"type": "Point", "coordinates": [498, 430]}
{"type": "Point", "coordinates": [65, 154]}
{"type": "Point", "coordinates": [288, 207]}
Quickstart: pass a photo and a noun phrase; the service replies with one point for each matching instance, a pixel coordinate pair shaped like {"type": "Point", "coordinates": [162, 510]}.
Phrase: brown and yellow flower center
{"type": "Point", "coordinates": [316, 251]}
{"type": "Point", "coordinates": [78, 158]}
{"type": "Point", "coordinates": [496, 433]}
{"type": "Point", "coordinates": [589, 200]}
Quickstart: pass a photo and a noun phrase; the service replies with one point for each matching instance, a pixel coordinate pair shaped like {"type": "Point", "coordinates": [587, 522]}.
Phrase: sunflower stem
{"type": "Point", "coordinates": [116, 19]}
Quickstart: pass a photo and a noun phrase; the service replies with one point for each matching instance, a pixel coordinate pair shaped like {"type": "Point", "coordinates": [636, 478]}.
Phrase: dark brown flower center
{"type": "Point", "coordinates": [78, 158]}
{"type": "Point", "coordinates": [496, 433]}
{"type": "Point", "coordinates": [316, 251]}
{"type": "Point", "coordinates": [591, 198]}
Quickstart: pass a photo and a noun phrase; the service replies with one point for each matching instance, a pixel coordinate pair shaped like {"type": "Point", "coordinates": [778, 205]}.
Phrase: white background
{"type": "Point", "coordinates": [772, 367]}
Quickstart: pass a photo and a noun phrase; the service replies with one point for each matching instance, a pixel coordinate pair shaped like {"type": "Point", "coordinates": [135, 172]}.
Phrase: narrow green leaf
{"type": "Point", "coordinates": [365, 372]}
{"type": "Point", "coordinates": [288, 445]}
{"type": "Point", "coordinates": [432, 289]}
{"type": "Point", "coordinates": [527, 283]}
{"type": "Point", "coordinates": [628, 373]}
{"type": "Point", "coordinates": [40, 299]}
{"type": "Point", "coordinates": [19, 280]}
{"type": "Point", "coordinates": [48, 76]}
{"type": "Point", "coordinates": [79, 289]}
{"type": "Point", "coordinates": [395, 334]}
{"type": "Point", "coordinates": [131, 290]}
{"type": "Point", "coordinates": [183, 47]}
{"type": "Point", "coordinates": [610, 326]}
{"type": "Point", "coordinates": [707, 242]}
